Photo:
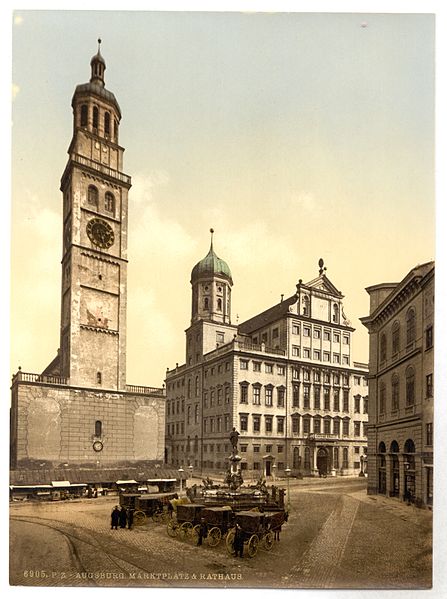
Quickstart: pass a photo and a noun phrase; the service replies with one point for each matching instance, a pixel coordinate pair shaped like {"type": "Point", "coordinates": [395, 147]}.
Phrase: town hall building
{"type": "Point", "coordinates": [80, 411]}
{"type": "Point", "coordinates": [286, 379]}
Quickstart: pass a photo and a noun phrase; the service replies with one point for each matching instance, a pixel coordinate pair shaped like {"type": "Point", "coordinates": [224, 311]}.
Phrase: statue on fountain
{"type": "Point", "coordinates": [234, 437]}
{"type": "Point", "coordinates": [234, 477]}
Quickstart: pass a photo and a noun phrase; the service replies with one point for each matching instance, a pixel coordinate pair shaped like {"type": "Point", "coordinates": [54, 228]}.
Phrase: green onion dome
{"type": "Point", "coordinates": [211, 266]}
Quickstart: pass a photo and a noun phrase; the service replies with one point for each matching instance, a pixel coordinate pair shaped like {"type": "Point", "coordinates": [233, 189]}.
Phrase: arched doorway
{"type": "Point", "coordinates": [410, 471]}
{"type": "Point", "coordinates": [322, 461]}
{"type": "Point", "coordinates": [381, 462]}
{"type": "Point", "coordinates": [395, 479]}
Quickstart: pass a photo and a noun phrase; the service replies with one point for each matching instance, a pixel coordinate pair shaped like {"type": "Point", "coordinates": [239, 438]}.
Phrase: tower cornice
{"type": "Point", "coordinates": [95, 168]}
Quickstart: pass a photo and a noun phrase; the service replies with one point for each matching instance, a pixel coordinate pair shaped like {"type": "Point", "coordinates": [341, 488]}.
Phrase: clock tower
{"type": "Point", "coordinates": [94, 255]}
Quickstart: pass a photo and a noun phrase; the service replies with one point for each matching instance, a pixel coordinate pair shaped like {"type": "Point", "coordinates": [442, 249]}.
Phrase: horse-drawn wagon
{"type": "Point", "coordinates": [257, 530]}
{"type": "Point", "coordinates": [148, 505]}
{"type": "Point", "coordinates": [186, 522]}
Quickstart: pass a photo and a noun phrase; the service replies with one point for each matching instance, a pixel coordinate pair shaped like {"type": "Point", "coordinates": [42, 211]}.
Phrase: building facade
{"type": "Point", "coordinates": [285, 379]}
{"type": "Point", "coordinates": [80, 409]}
{"type": "Point", "coordinates": [400, 430]}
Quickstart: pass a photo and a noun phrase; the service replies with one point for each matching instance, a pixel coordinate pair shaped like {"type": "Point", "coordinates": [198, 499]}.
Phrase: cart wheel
{"type": "Point", "coordinates": [158, 516]}
{"type": "Point", "coordinates": [139, 518]}
{"type": "Point", "coordinates": [268, 540]}
{"type": "Point", "coordinates": [172, 528]}
{"type": "Point", "coordinates": [252, 547]}
{"type": "Point", "coordinates": [195, 534]}
{"type": "Point", "coordinates": [214, 536]}
{"type": "Point", "coordinates": [229, 542]}
{"type": "Point", "coordinates": [185, 530]}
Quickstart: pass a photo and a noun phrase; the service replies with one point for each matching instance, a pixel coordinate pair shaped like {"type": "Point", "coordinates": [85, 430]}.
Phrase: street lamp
{"type": "Point", "coordinates": [190, 470]}
{"type": "Point", "coordinates": [273, 471]}
{"type": "Point", "coordinates": [288, 471]}
{"type": "Point", "coordinates": [180, 471]}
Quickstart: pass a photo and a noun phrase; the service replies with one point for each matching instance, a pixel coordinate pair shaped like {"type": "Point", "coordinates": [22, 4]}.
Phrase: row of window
{"type": "Point", "coordinates": [396, 393]}
{"type": "Point", "coordinates": [317, 375]}
{"type": "Point", "coordinates": [318, 333]}
{"type": "Point", "coordinates": [345, 464]}
{"type": "Point", "coordinates": [256, 394]}
{"type": "Point", "coordinates": [93, 199]}
{"type": "Point", "coordinates": [107, 121]}
{"type": "Point", "coordinates": [216, 424]}
{"type": "Point", "coordinates": [410, 336]}
{"type": "Point", "coordinates": [328, 426]}
{"type": "Point", "coordinates": [316, 355]}
{"type": "Point", "coordinates": [336, 398]}
{"type": "Point", "coordinates": [326, 402]}
{"type": "Point", "coordinates": [316, 424]}
{"type": "Point", "coordinates": [257, 367]}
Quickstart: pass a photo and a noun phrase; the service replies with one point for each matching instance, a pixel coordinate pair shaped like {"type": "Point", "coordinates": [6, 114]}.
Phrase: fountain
{"type": "Point", "coordinates": [233, 492]}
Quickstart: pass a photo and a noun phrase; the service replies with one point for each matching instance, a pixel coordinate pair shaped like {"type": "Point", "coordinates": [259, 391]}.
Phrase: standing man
{"type": "Point", "coordinates": [115, 517]}
{"type": "Point", "coordinates": [239, 541]}
{"type": "Point", "coordinates": [123, 517]}
{"type": "Point", "coordinates": [203, 531]}
{"type": "Point", "coordinates": [129, 518]}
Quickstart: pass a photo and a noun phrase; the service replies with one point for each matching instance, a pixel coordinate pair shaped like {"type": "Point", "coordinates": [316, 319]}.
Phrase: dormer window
{"type": "Point", "coordinates": [335, 313]}
{"type": "Point", "coordinates": [306, 302]}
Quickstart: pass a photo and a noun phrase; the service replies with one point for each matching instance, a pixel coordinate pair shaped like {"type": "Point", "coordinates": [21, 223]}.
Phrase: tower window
{"type": "Point", "coordinates": [107, 123]}
{"type": "Point", "coordinates": [219, 305]}
{"type": "Point", "coordinates": [98, 428]}
{"type": "Point", "coordinates": [206, 304]}
{"type": "Point", "coordinates": [109, 203]}
{"type": "Point", "coordinates": [92, 196]}
{"type": "Point", "coordinates": [95, 117]}
{"type": "Point", "coordinates": [84, 115]}
{"type": "Point", "coordinates": [99, 378]}
{"type": "Point", "coordinates": [115, 130]}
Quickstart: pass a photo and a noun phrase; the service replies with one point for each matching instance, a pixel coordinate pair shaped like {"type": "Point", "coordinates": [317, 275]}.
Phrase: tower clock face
{"type": "Point", "coordinates": [100, 233]}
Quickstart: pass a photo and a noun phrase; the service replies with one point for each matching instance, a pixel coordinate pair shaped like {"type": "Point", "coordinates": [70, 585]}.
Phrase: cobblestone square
{"type": "Point", "coordinates": [336, 537]}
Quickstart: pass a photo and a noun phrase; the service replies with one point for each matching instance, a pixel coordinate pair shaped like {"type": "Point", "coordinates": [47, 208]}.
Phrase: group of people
{"type": "Point", "coordinates": [121, 517]}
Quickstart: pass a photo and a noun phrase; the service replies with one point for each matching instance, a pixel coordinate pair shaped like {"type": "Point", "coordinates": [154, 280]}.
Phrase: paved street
{"type": "Point", "coordinates": [336, 537]}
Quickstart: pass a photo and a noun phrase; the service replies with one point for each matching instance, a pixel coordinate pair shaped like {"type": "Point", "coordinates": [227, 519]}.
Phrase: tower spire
{"type": "Point", "coordinates": [98, 66]}
{"type": "Point", "coordinates": [212, 234]}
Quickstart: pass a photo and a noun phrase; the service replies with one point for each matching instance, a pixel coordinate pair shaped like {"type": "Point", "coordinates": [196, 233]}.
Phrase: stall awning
{"type": "Point", "coordinates": [126, 482]}
{"type": "Point", "coordinates": [60, 483]}
{"type": "Point", "coordinates": [30, 487]}
{"type": "Point", "coordinates": [161, 480]}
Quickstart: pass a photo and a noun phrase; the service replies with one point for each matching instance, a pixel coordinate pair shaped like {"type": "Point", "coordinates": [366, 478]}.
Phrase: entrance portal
{"type": "Point", "coordinates": [322, 462]}
{"type": "Point", "coordinates": [268, 468]}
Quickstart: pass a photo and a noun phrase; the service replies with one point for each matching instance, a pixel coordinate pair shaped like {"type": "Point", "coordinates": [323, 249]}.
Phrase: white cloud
{"type": "Point", "coordinates": [144, 186]}
{"type": "Point", "coordinates": [18, 19]}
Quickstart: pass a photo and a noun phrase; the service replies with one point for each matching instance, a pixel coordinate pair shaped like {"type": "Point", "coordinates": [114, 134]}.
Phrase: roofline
{"type": "Point", "coordinates": [398, 287]}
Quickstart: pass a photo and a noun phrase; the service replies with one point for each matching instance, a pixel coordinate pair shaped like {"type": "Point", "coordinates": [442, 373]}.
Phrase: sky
{"type": "Point", "coordinates": [296, 136]}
